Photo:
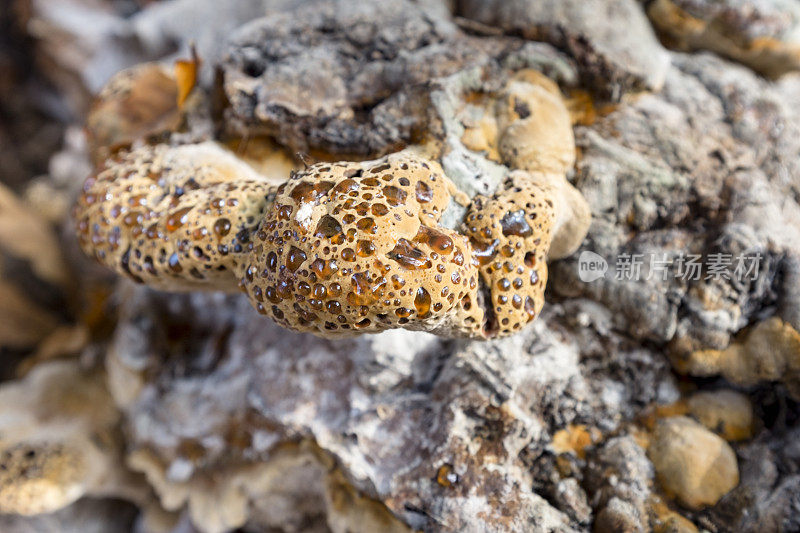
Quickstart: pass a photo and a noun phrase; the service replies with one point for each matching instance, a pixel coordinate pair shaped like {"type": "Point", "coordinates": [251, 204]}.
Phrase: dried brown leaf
{"type": "Point", "coordinates": [63, 342]}
{"type": "Point", "coordinates": [22, 323]}
{"type": "Point", "coordinates": [24, 235]}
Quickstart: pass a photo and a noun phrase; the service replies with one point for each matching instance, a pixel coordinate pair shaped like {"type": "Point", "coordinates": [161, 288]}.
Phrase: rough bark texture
{"type": "Point", "coordinates": [612, 61]}
{"type": "Point", "coordinates": [237, 423]}
{"type": "Point", "coordinates": [344, 78]}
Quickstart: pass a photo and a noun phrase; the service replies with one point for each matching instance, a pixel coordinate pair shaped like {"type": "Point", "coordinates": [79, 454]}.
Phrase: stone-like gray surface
{"type": "Point", "coordinates": [392, 409]}
{"type": "Point", "coordinates": [345, 77]}
{"type": "Point", "coordinates": [612, 61]}
{"type": "Point", "coordinates": [706, 166]}
{"type": "Point", "coordinates": [776, 494]}
{"type": "Point", "coordinates": [620, 479]}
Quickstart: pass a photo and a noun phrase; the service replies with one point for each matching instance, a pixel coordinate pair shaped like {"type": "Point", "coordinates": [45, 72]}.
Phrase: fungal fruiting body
{"type": "Point", "coordinates": [137, 103]}
{"type": "Point", "coordinates": [350, 247]}
{"type": "Point", "coordinates": [58, 440]}
{"type": "Point", "coordinates": [338, 248]}
{"type": "Point", "coordinates": [38, 478]}
{"type": "Point", "coordinates": [527, 127]}
{"type": "Point", "coordinates": [172, 217]}
{"type": "Point", "coordinates": [357, 247]}
{"type": "Point", "coordinates": [510, 235]}
{"type": "Point", "coordinates": [534, 126]}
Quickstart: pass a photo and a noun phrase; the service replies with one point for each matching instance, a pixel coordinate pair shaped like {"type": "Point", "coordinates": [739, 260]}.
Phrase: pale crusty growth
{"type": "Point", "coordinates": [40, 478]}
{"type": "Point", "coordinates": [510, 236]}
{"type": "Point", "coordinates": [527, 127]}
{"type": "Point", "coordinates": [770, 351]}
{"type": "Point", "coordinates": [572, 214]}
{"type": "Point", "coordinates": [356, 247]}
{"type": "Point", "coordinates": [59, 440]}
{"type": "Point", "coordinates": [535, 134]}
{"type": "Point", "coordinates": [534, 125]}
{"type": "Point", "coordinates": [172, 217]}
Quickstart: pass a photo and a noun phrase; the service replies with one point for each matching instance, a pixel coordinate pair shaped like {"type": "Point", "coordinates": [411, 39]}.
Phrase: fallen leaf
{"type": "Point", "coordinates": [64, 341]}
{"type": "Point", "coordinates": [136, 104]}
{"type": "Point", "coordinates": [26, 236]}
{"type": "Point", "coordinates": [22, 323]}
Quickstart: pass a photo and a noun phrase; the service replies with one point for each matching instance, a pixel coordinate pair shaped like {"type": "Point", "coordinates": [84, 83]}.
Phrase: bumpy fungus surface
{"type": "Point", "coordinates": [510, 234]}
{"type": "Point", "coordinates": [526, 126]}
{"type": "Point", "coordinates": [172, 217]}
{"type": "Point", "coordinates": [348, 247]}
{"type": "Point", "coordinates": [341, 248]}
{"type": "Point", "coordinates": [357, 246]}
{"type": "Point", "coordinates": [535, 134]}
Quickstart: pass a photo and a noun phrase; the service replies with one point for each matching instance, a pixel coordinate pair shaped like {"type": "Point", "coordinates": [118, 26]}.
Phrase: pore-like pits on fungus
{"type": "Point", "coordinates": [357, 247]}
{"type": "Point", "coordinates": [172, 217]}
{"type": "Point", "coordinates": [338, 249]}
{"type": "Point", "coordinates": [342, 248]}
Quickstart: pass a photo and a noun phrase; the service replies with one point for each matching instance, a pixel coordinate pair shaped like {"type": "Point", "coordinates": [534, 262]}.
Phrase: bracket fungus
{"type": "Point", "coordinates": [528, 128]}
{"type": "Point", "coordinates": [510, 235]}
{"type": "Point", "coordinates": [343, 248]}
{"type": "Point", "coordinates": [357, 247]}
{"type": "Point", "coordinates": [139, 102]}
{"type": "Point", "coordinates": [172, 217]}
